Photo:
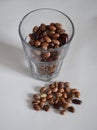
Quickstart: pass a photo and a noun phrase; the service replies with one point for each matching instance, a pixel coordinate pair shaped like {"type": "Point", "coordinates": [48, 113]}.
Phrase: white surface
{"type": "Point", "coordinates": [80, 68]}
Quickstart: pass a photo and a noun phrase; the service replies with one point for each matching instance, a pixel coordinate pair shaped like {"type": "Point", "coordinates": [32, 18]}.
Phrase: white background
{"type": "Point", "coordinates": [80, 68]}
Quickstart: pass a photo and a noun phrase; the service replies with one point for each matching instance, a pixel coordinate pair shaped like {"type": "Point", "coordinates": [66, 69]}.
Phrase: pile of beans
{"type": "Point", "coordinates": [59, 95]}
{"type": "Point", "coordinates": [48, 36]}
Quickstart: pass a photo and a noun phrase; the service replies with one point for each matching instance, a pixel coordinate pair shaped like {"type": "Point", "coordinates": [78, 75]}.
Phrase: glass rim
{"type": "Point", "coordinates": [40, 49]}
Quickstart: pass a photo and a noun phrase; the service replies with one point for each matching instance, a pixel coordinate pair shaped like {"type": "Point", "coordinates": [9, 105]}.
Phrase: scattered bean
{"type": "Point", "coordinates": [77, 94]}
{"type": "Point", "coordinates": [36, 96]}
{"type": "Point", "coordinates": [74, 90]}
{"type": "Point", "coordinates": [49, 96]}
{"type": "Point", "coordinates": [35, 101]}
{"type": "Point", "coordinates": [36, 107]}
{"type": "Point", "coordinates": [43, 89]}
{"type": "Point", "coordinates": [62, 112]}
{"type": "Point", "coordinates": [71, 109]}
{"type": "Point", "coordinates": [61, 85]}
{"type": "Point", "coordinates": [65, 105]}
{"type": "Point", "coordinates": [43, 95]}
{"type": "Point", "coordinates": [67, 84]}
{"type": "Point", "coordinates": [41, 104]}
{"type": "Point", "coordinates": [58, 94]}
{"type": "Point", "coordinates": [46, 108]}
{"type": "Point", "coordinates": [61, 90]}
{"type": "Point", "coordinates": [76, 101]}
{"type": "Point", "coordinates": [43, 99]}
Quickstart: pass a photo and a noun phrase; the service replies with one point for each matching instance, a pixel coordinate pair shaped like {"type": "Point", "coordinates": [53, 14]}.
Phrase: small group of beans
{"type": "Point", "coordinates": [48, 36]}
{"type": "Point", "coordinates": [59, 95]}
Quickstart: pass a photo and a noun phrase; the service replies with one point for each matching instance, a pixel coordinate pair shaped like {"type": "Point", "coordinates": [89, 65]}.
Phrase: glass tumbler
{"type": "Point", "coordinates": [41, 67]}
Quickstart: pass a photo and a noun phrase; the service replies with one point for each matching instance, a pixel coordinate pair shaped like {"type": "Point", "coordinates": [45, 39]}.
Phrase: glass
{"type": "Point", "coordinates": [47, 69]}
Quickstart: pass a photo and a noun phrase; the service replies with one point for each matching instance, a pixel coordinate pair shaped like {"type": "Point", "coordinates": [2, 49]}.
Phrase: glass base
{"type": "Point", "coordinates": [45, 72]}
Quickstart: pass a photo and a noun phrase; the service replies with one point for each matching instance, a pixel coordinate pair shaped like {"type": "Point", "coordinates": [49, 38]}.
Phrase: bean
{"type": "Point", "coordinates": [35, 29]}
{"type": "Point", "coordinates": [76, 101]}
{"type": "Point", "coordinates": [36, 107]}
{"type": "Point", "coordinates": [52, 28]}
{"type": "Point", "coordinates": [71, 109]}
{"type": "Point", "coordinates": [43, 89]}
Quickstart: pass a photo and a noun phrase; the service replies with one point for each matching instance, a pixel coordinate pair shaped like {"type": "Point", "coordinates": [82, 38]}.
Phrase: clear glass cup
{"type": "Point", "coordinates": [45, 69]}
